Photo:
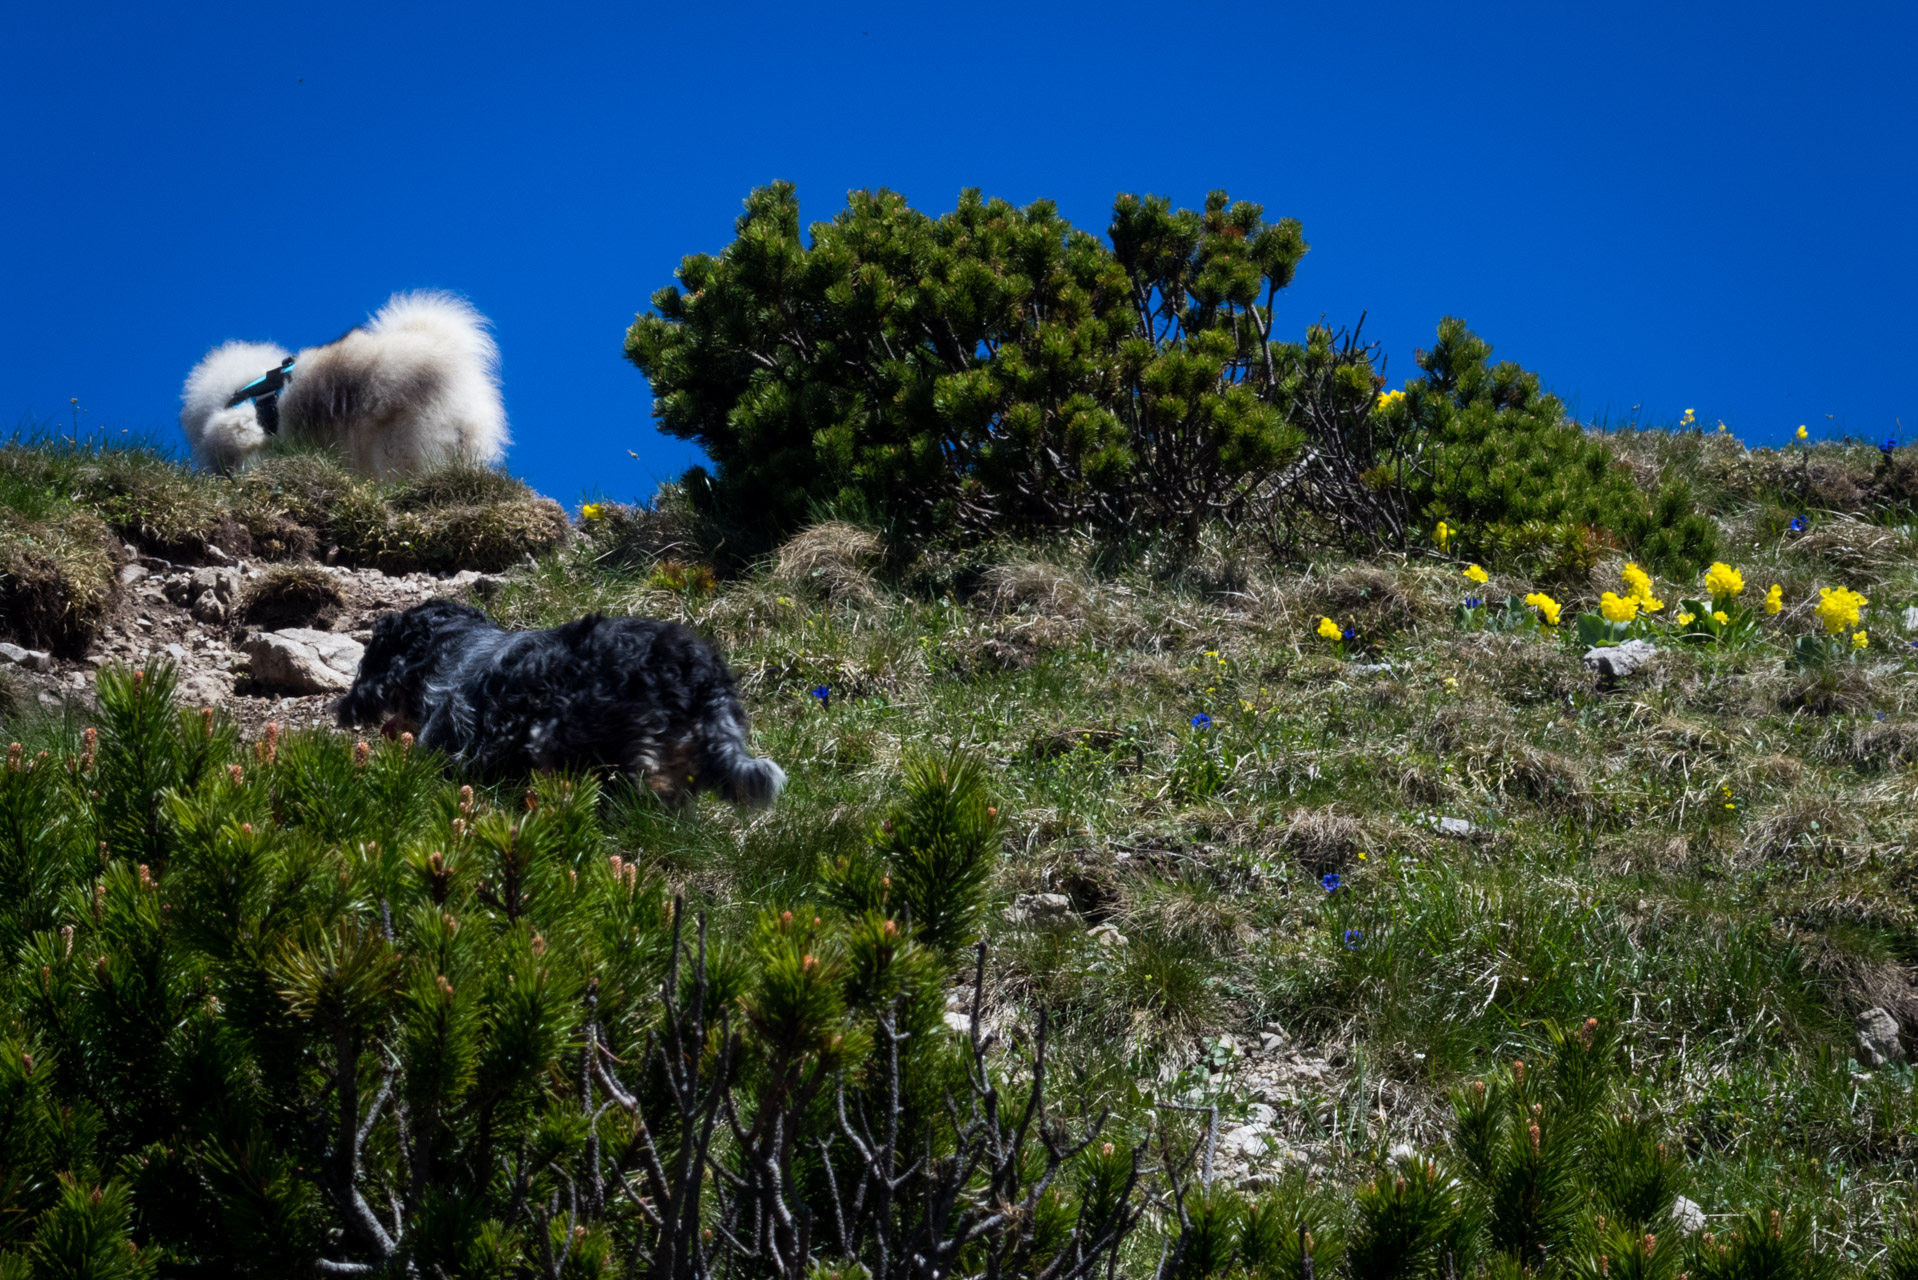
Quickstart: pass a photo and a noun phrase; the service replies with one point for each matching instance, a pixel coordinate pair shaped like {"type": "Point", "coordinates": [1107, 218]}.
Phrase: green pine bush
{"type": "Point", "coordinates": [1498, 460]}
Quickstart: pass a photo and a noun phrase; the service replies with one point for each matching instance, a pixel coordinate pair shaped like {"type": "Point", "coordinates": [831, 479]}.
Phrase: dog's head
{"type": "Point", "coordinates": [405, 650]}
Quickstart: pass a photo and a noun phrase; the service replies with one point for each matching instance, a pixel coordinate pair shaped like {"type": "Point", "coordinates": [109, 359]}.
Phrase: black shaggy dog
{"type": "Point", "coordinates": [647, 697]}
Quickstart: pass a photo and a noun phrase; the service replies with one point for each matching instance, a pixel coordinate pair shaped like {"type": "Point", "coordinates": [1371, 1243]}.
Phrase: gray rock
{"type": "Point", "coordinates": [209, 608]}
{"type": "Point", "coordinates": [1248, 1141]}
{"type": "Point", "coordinates": [1617, 661]}
{"type": "Point", "coordinates": [298, 660]}
{"type": "Point", "coordinates": [176, 652]}
{"type": "Point", "coordinates": [1878, 1041]}
{"type": "Point", "coordinates": [1107, 935]}
{"type": "Point", "coordinates": [1040, 908]}
{"type": "Point", "coordinates": [1457, 828]}
{"type": "Point", "coordinates": [1911, 618]}
{"type": "Point", "coordinates": [224, 583]}
{"type": "Point", "coordinates": [31, 659]}
{"type": "Point", "coordinates": [1369, 668]}
{"type": "Point", "coordinates": [1269, 1043]}
{"type": "Point", "coordinates": [132, 573]}
{"type": "Point", "coordinates": [1687, 1216]}
{"type": "Point", "coordinates": [216, 555]}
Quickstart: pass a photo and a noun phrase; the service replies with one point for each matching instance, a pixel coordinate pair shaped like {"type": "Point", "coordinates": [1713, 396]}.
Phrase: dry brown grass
{"type": "Point", "coordinates": [292, 596]}
{"type": "Point", "coordinates": [834, 560]}
{"type": "Point", "coordinates": [1029, 586]}
{"type": "Point", "coordinates": [56, 580]}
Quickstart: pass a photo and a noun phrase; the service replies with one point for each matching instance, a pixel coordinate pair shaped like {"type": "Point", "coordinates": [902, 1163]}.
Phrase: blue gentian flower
{"type": "Point", "coordinates": [1473, 602]}
{"type": "Point", "coordinates": [1329, 882]}
{"type": "Point", "coordinates": [822, 693]}
{"type": "Point", "coordinates": [1349, 635]}
{"type": "Point", "coordinates": [1888, 443]}
{"type": "Point", "coordinates": [1354, 939]}
{"type": "Point", "coordinates": [1202, 721]}
{"type": "Point", "coordinates": [1799, 524]}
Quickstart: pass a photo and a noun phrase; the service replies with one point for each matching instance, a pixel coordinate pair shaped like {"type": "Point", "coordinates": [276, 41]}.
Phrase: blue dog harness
{"type": "Point", "coordinates": [264, 392]}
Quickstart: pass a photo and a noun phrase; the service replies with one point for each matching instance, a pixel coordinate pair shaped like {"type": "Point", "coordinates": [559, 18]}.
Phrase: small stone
{"type": "Point", "coordinates": [1911, 617]}
{"type": "Point", "coordinates": [304, 661]}
{"type": "Point", "coordinates": [1036, 908]}
{"type": "Point", "coordinates": [1107, 935]}
{"type": "Point", "coordinates": [1457, 828]}
{"type": "Point", "coordinates": [1617, 661]}
{"type": "Point", "coordinates": [1248, 1140]}
{"type": "Point", "coordinates": [209, 608]}
{"type": "Point", "coordinates": [1369, 668]}
{"type": "Point", "coordinates": [216, 555]}
{"type": "Point", "coordinates": [176, 653]}
{"type": "Point", "coordinates": [1878, 1041]}
{"type": "Point", "coordinates": [1687, 1216]}
{"type": "Point", "coordinates": [31, 659]}
{"type": "Point", "coordinates": [1401, 1151]}
{"type": "Point", "coordinates": [1269, 1043]}
{"type": "Point", "coordinates": [131, 573]}
{"type": "Point", "coordinates": [1259, 1113]}
{"type": "Point", "coordinates": [143, 622]}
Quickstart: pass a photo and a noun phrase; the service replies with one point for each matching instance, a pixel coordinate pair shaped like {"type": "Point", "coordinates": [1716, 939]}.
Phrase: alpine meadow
{"type": "Point", "coordinates": [1248, 817]}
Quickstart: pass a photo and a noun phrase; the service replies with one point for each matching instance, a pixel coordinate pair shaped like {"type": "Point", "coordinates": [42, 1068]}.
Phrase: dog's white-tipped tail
{"type": "Point", "coordinates": [755, 782]}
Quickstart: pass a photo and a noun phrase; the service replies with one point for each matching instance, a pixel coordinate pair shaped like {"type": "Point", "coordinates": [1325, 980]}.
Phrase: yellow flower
{"type": "Point", "coordinates": [1774, 599]}
{"type": "Point", "coordinates": [1720, 617]}
{"type": "Point", "coordinates": [1723, 581]}
{"type": "Point", "coordinates": [1451, 682]}
{"type": "Point", "coordinates": [1442, 535]}
{"type": "Point", "coordinates": [1329, 630]}
{"type": "Point", "coordinates": [1721, 426]}
{"type": "Point", "coordinates": [1802, 433]}
{"type": "Point", "coordinates": [1617, 610]}
{"type": "Point", "coordinates": [1476, 574]}
{"type": "Point", "coordinates": [1838, 608]}
{"type": "Point", "coordinates": [1547, 607]}
{"type": "Point", "coordinates": [1389, 399]}
{"type": "Point", "coordinates": [592, 511]}
{"type": "Point", "coordinates": [1858, 640]}
{"type": "Point", "coordinates": [1640, 584]}
{"type": "Point", "coordinates": [1686, 421]}
{"type": "Point", "coordinates": [1686, 619]}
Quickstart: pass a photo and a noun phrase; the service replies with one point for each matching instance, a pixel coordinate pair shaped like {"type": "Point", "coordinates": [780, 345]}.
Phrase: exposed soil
{"type": "Point", "coordinates": [156, 616]}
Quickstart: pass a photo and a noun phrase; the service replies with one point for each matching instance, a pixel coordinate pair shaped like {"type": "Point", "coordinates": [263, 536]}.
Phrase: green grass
{"type": "Point", "coordinates": [1716, 859]}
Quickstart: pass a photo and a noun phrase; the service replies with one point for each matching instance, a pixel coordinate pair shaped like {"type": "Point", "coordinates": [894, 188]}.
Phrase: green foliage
{"type": "Point", "coordinates": [293, 982]}
{"type": "Point", "coordinates": [993, 368]}
{"type": "Point", "coordinates": [1504, 466]}
{"type": "Point", "coordinates": [933, 856]}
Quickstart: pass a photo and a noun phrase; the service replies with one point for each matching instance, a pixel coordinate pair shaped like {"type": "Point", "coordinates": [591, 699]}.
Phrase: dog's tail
{"type": "Point", "coordinates": [743, 778]}
{"type": "Point", "coordinates": [442, 332]}
{"type": "Point", "coordinates": [223, 436]}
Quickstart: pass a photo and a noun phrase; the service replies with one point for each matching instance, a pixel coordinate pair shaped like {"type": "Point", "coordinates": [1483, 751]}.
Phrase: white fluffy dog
{"type": "Point", "coordinates": [418, 384]}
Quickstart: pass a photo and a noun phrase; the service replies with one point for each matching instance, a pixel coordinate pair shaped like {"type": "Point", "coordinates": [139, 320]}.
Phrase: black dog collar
{"type": "Point", "coordinates": [264, 392]}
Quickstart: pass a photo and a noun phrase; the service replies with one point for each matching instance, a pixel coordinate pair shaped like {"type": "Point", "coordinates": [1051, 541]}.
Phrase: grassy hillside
{"type": "Point", "coordinates": [1316, 883]}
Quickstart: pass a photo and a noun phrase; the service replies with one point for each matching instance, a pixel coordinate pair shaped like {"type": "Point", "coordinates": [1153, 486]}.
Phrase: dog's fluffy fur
{"type": "Point", "coordinates": [648, 697]}
{"type": "Point", "coordinates": [417, 385]}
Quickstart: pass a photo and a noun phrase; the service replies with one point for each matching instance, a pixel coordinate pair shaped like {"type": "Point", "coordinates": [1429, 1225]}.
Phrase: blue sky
{"type": "Point", "coordinates": [1670, 205]}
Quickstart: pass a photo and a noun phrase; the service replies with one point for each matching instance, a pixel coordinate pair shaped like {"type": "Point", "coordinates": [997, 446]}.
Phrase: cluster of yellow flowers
{"type": "Point", "coordinates": [1475, 574]}
{"type": "Point", "coordinates": [1615, 608]}
{"type": "Point", "coordinates": [1724, 582]}
{"type": "Point", "coordinates": [1442, 535]}
{"type": "Point", "coordinates": [1389, 399]}
{"type": "Point", "coordinates": [1838, 608]}
{"type": "Point", "coordinates": [592, 511]}
{"type": "Point", "coordinates": [1638, 585]}
{"type": "Point", "coordinates": [1802, 433]}
{"type": "Point", "coordinates": [1330, 630]}
{"type": "Point", "coordinates": [1774, 599]}
{"type": "Point", "coordinates": [1547, 607]}
{"type": "Point", "coordinates": [1686, 421]}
